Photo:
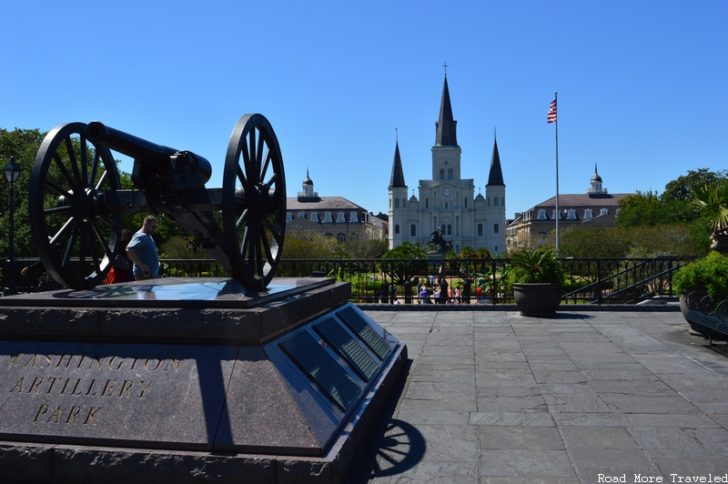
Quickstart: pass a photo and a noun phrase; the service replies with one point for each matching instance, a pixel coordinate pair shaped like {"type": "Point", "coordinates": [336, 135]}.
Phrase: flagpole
{"type": "Point", "coordinates": [557, 175]}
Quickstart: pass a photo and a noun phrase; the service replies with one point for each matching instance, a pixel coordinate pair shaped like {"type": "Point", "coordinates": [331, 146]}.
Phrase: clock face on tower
{"type": "Point", "coordinates": [445, 192]}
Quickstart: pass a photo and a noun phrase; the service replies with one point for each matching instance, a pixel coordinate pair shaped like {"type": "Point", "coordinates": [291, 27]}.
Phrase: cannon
{"type": "Point", "coordinates": [76, 202]}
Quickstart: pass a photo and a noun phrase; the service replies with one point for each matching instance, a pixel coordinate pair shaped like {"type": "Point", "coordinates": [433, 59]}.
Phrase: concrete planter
{"type": "Point", "coordinates": [537, 299]}
{"type": "Point", "coordinates": [703, 318]}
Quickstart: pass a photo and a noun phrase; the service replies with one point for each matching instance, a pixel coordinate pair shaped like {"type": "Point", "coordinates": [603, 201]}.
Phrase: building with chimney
{"type": "Point", "coordinates": [331, 216]}
{"type": "Point", "coordinates": [595, 208]}
{"type": "Point", "coordinates": [446, 203]}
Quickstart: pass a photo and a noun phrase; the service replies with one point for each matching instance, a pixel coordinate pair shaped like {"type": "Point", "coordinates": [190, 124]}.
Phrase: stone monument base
{"type": "Point", "coordinates": [187, 380]}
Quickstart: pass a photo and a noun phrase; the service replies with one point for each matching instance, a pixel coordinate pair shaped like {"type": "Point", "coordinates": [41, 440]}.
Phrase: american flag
{"type": "Point", "coordinates": [551, 116]}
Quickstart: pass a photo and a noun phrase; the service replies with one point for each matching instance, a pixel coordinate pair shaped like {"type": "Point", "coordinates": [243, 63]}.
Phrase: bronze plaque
{"type": "Point", "coordinates": [348, 347]}
{"type": "Point", "coordinates": [356, 323]}
{"type": "Point", "coordinates": [333, 379]}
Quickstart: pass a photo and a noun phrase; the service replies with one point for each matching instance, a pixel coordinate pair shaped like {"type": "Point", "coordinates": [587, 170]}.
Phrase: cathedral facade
{"type": "Point", "coordinates": [446, 203]}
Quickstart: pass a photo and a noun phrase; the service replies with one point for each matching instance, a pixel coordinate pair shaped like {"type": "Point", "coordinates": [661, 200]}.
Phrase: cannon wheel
{"type": "Point", "coordinates": [74, 234]}
{"type": "Point", "coordinates": [254, 202]}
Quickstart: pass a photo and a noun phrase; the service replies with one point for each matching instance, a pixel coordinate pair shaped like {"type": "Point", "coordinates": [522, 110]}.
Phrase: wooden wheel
{"type": "Point", "coordinates": [254, 202]}
{"type": "Point", "coordinates": [72, 230]}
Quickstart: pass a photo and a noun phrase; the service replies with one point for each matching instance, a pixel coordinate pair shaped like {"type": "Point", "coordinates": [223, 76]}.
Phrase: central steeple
{"type": "Point", "coordinates": [446, 126]}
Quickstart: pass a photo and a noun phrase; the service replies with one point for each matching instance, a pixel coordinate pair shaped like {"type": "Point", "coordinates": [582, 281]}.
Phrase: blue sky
{"type": "Point", "coordinates": [642, 84]}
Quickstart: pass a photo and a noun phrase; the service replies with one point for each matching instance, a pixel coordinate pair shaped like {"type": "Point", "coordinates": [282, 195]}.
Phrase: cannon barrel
{"type": "Point", "coordinates": [146, 152]}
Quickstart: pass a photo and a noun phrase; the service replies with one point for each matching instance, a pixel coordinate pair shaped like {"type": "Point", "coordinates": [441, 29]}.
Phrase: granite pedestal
{"type": "Point", "coordinates": [188, 380]}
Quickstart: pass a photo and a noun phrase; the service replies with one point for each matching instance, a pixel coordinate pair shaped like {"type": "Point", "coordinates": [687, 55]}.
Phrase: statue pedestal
{"type": "Point", "coordinates": [181, 380]}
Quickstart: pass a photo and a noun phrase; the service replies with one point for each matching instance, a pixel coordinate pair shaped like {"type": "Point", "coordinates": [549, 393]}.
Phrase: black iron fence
{"type": "Point", "coordinates": [434, 281]}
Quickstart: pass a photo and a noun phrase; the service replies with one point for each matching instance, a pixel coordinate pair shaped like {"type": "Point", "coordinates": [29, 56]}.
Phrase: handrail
{"type": "Point", "coordinates": [475, 281]}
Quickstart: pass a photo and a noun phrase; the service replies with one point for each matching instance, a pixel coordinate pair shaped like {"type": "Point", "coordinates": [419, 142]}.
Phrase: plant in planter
{"type": "Point", "coordinates": [537, 276]}
{"type": "Point", "coordinates": [703, 284]}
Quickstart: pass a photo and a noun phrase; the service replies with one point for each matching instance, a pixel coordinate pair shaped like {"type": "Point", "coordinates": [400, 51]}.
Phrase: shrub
{"type": "Point", "coordinates": [709, 274]}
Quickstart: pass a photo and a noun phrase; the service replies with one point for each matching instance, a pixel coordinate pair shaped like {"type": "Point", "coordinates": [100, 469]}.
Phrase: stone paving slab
{"type": "Point", "coordinates": [493, 397]}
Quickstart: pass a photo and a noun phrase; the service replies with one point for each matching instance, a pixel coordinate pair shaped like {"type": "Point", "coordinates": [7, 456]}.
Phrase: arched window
{"type": "Point", "coordinates": [541, 214]}
{"type": "Point", "coordinates": [495, 201]}
{"type": "Point", "coordinates": [341, 237]}
{"type": "Point", "coordinates": [328, 219]}
{"type": "Point", "coordinates": [340, 218]}
{"type": "Point", "coordinates": [588, 214]}
{"type": "Point", "coordinates": [396, 203]}
{"type": "Point", "coordinates": [413, 230]}
{"type": "Point", "coordinates": [603, 211]}
{"type": "Point", "coordinates": [571, 214]}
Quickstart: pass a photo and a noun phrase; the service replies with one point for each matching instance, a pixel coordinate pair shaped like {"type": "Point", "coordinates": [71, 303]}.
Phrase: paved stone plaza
{"type": "Point", "coordinates": [587, 397]}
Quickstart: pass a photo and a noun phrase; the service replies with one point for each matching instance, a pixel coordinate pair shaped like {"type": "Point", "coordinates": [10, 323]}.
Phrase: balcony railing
{"type": "Point", "coordinates": [431, 281]}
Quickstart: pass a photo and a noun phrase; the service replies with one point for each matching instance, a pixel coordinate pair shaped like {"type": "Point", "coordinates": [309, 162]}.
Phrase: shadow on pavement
{"type": "Point", "coordinates": [393, 446]}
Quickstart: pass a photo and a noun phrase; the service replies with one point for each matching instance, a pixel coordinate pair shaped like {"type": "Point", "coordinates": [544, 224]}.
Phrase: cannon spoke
{"type": "Point", "coordinates": [84, 162]}
{"type": "Point", "coordinates": [270, 182]}
{"type": "Point", "coordinates": [63, 170]}
{"type": "Point", "coordinates": [102, 180]}
{"type": "Point", "coordinates": [61, 231]}
{"type": "Point", "coordinates": [241, 176]}
{"type": "Point", "coordinates": [69, 246]}
{"type": "Point", "coordinates": [57, 210]}
{"type": "Point", "coordinates": [264, 169]}
{"type": "Point", "coordinates": [57, 188]}
{"type": "Point", "coordinates": [246, 163]}
{"type": "Point", "coordinates": [253, 166]}
{"type": "Point", "coordinates": [266, 247]}
{"type": "Point", "coordinates": [241, 220]}
{"type": "Point", "coordinates": [275, 229]}
{"type": "Point", "coordinates": [93, 250]}
{"type": "Point", "coordinates": [94, 168]}
{"type": "Point", "coordinates": [246, 242]}
{"type": "Point", "coordinates": [72, 161]}
{"type": "Point", "coordinates": [259, 156]}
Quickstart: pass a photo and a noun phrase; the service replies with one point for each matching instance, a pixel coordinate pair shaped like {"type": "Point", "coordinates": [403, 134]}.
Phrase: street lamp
{"type": "Point", "coordinates": [12, 172]}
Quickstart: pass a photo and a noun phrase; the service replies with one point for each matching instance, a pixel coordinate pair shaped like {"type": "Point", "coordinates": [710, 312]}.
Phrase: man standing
{"type": "Point", "coordinates": [142, 250]}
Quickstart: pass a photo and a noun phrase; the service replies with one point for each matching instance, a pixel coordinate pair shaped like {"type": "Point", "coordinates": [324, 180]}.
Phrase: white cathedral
{"type": "Point", "coordinates": [446, 203]}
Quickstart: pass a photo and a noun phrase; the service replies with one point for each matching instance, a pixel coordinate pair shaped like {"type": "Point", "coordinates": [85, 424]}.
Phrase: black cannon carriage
{"type": "Point", "coordinates": [76, 201]}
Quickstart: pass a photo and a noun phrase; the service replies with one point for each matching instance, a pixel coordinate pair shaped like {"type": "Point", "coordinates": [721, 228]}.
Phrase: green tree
{"type": "Point", "coordinates": [404, 265]}
{"type": "Point", "coordinates": [365, 249]}
{"type": "Point", "coordinates": [683, 187]}
{"type": "Point", "coordinates": [310, 245]}
{"type": "Point", "coordinates": [19, 145]}
{"type": "Point", "coordinates": [584, 243]}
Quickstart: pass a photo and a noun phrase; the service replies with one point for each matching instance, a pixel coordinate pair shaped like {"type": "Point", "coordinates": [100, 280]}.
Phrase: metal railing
{"type": "Point", "coordinates": [464, 281]}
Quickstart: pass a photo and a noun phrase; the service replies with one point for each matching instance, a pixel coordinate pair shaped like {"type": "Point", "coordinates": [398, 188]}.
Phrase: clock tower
{"type": "Point", "coordinates": [447, 203]}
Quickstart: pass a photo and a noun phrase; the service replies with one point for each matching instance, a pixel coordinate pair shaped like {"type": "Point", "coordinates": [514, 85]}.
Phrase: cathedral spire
{"type": "Point", "coordinates": [446, 132]}
{"type": "Point", "coordinates": [495, 177]}
{"type": "Point", "coordinates": [397, 178]}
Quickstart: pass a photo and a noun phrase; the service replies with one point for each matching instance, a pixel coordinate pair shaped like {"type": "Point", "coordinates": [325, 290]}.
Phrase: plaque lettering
{"type": "Point", "coordinates": [66, 416]}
